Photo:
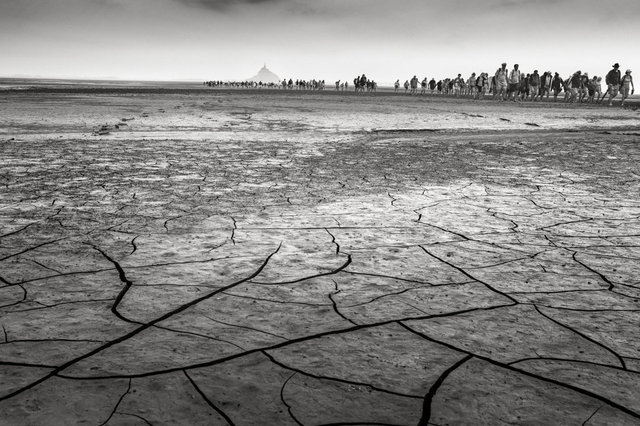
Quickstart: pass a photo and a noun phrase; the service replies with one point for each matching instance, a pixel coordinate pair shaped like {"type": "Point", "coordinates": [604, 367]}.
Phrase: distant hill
{"type": "Point", "coordinates": [265, 76]}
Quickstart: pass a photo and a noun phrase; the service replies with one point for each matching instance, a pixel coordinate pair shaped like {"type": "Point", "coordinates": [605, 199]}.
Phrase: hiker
{"type": "Point", "coordinates": [458, 84]}
{"type": "Point", "coordinates": [566, 86]}
{"type": "Point", "coordinates": [613, 82]}
{"type": "Point", "coordinates": [396, 85]}
{"type": "Point", "coordinates": [414, 85]}
{"type": "Point", "coordinates": [626, 83]}
{"type": "Point", "coordinates": [591, 89]}
{"type": "Point", "coordinates": [534, 85]}
{"type": "Point", "coordinates": [523, 90]}
{"type": "Point", "coordinates": [424, 86]}
{"type": "Point", "coordinates": [575, 83]}
{"type": "Point", "coordinates": [471, 84]}
{"type": "Point", "coordinates": [598, 89]}
{"type": "Point", "coordinates": [556, 86]}
{"type": "Point", "coordinates": [584, 87]}
{"type": "Point", "coordinates": [500, 87]}
{"type": "Point", "coordinates": [545, 85]}
{"type": "Point", "coordinates": [406, 86]}
{"type": "Point", "coordinates": [514, 82]}
{"type": "Point", "coordinates": [479, 86]}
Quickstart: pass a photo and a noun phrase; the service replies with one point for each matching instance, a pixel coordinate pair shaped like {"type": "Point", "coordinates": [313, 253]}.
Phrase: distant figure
{"type": "Point", "coordinates": [556, 86]}
{"type": "Point", "coordinates": [500, 87]}
{"type": "Point", "coordinates": [566, 86]}
{"type": "Point", "coordinates": [432, 85]}
{"type": "Point", "coordinates": [471, 85]}
{"type": "Point", "coordinates": [337, 85]}
{"type": "Point", "coordinates": [626, 83]}
{"type": "Point", "coordinates": [479, 86]}
{"type": "Point", "coordinates": [396, 85]}
{"type": "Point", "coordinates": [534, 85]}
{"type": "Point", "coordinates": [613, 82]}
{"type": "Point", "coordinates": [523, 91]}
{"type": "Point", "coordinates": [598, 89]}
{"type": "Point", "coordinates": [591, 88]}
{"type": "Point", "coordinates": [414, 85]}
{"type": "Point", "coordinates": [584, 87]}
{"type": "Point", "coordinates": [575, 84]}
{"type": "Point", "coordinates": [514, 82]}
{"type": "Point", "coordinates": [406, 86]}
{"type": "Point", "coordinates": [424, 83]}
{"type": "Point", "coordinates": [545, 85]}
{"type": "Point", "coordinates": [458, 84]}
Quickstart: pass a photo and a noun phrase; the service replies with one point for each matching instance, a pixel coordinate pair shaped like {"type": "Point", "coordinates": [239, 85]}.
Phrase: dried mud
{"type": "Point", "coordinates": [250, 258]}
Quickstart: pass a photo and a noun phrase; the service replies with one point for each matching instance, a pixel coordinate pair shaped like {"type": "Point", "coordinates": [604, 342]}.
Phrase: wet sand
{"type": "Point", "coordinates": [250, 258]}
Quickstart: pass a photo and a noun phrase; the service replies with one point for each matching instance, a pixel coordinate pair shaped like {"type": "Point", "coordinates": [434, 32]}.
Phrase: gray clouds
{"type": "Point", "coordinates": [223, 5]}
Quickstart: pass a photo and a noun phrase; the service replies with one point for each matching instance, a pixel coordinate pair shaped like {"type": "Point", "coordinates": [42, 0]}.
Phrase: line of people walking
{"type": "Point", "coordinates": [579, 87]}
{"type": "Point", "coordinates": [517, 86]}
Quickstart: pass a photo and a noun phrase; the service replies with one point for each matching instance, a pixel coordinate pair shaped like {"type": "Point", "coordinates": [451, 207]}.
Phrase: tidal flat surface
{"type": "Point", "coordinates": [278, 258]}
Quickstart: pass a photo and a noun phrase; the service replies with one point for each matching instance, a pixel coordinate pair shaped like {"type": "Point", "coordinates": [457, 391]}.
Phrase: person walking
{"type": "Point", "coordinates": [500, 86]}
{"type": "Point", "coordinates": [556, 86]}
{"type": "Point", "coordinates": [414, 85]}
{"type": "Point", "coordinates": [514, 82]}
{"type": "Point", "coordinates": [575, 83]}
{"type": "Point", "coordinates": [584, 87]}
{"type": "Point", "coordinates": [626, 83]}
{"type": "Point", "coordinates": [592, 88]}
{"type": "Point", "coordinates": [534, 85]}
{"type": "Point", "coordinates": [545, 85]}
{"type": "Point", "coordinates": [479, 85]}
{"type": "Point", "coordinates": [613, 82]}
{"type": "Point", "coordinates": [523, 92]}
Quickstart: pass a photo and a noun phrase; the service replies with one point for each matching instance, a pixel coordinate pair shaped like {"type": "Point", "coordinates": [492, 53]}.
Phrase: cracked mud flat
{"type": "Point", "coordinates": [246, 259]}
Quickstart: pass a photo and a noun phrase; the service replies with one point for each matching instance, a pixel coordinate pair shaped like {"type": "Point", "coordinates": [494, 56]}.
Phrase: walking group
{"type": "Point", "coordinates": [579, 87]}
{"type": "Point", "coordinates": [504, 85]}
{"type": "Point", "coordinates": [517, 86]}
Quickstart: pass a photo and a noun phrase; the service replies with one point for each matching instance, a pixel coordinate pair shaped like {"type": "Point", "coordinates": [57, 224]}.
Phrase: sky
{"type": "Point", "coordinates": [322, 39]}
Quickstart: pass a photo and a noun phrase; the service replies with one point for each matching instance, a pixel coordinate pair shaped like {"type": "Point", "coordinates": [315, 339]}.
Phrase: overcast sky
{"type": "Point", "coordinates": [325, 39]}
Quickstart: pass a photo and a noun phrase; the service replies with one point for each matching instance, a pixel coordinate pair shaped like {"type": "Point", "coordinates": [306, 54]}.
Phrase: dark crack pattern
{"type": "Point", "coordinates": [271, 260]}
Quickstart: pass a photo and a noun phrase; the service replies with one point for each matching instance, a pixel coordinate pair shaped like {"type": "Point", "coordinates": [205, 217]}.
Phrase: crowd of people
{"type": "Point", "coordinates": [504, 85]}
{"type": "Point", "coordinates": [284, 84]}
{"type": "Point", "coordinates": [518, 86]}
{"type": "Point", "coordinates": [240, 84]}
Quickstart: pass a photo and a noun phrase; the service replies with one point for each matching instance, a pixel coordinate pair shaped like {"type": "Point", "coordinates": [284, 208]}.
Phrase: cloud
{"type": "Point", "coordinates": [223, 5]}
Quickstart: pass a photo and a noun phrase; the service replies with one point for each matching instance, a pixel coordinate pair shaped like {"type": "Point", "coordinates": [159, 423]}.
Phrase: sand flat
{"type": "Point", "coordinates": [242, 257]}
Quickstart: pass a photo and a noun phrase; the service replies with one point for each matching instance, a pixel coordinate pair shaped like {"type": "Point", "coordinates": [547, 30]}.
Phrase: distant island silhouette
{"type": "Point", "coordinates": [265, 76]}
